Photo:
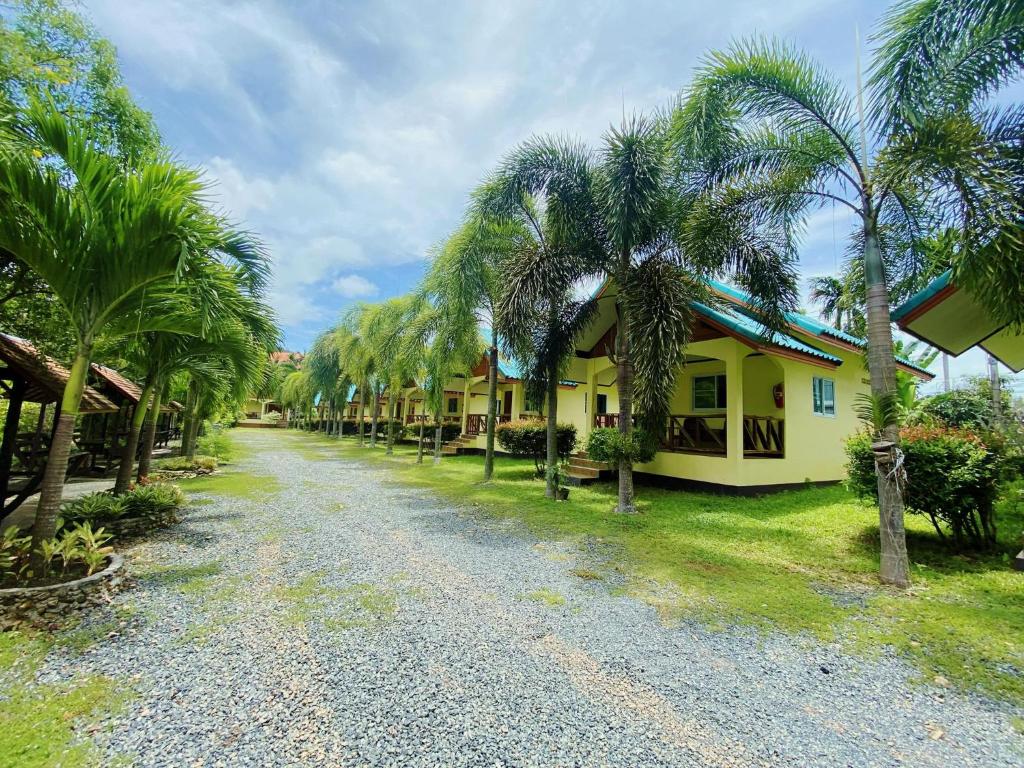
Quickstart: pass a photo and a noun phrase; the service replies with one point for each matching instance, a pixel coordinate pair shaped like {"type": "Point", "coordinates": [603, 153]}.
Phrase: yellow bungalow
{"type": "Point", "coordinates": [752, 410]}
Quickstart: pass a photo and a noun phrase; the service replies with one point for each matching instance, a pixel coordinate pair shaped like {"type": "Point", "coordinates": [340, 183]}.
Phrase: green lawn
{"type": "Point", "coordinates": [800, 561]}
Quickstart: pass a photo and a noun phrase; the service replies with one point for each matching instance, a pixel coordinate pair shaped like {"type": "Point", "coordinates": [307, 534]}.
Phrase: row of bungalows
{"type": "Point", "coordinates": [753, 410]}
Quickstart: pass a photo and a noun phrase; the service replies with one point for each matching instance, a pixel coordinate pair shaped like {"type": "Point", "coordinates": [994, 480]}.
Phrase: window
{"type": "Point", "coordinates": [824, 395]}
{"type": "Point", "coordinates": [453, 405]}
{"type": "Point", "coordinates": [709, 393]}
{"type": "Point", "coordinates": [602, 403]}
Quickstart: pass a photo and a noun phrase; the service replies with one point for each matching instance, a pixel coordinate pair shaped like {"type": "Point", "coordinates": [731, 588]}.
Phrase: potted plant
{"type": "Point", "coordinates": [556, 474]}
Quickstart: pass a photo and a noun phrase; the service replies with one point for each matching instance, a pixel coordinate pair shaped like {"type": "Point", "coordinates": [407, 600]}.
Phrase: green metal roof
{"type": "Point", "coordinates": [921, 296]}
{"type": "Point", "coordinates": [815, 327]}
{"type": "Point", "coordinates": [751, 329]}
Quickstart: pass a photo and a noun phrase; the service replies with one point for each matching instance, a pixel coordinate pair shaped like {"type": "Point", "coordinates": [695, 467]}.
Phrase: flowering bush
{"type": "Point", "coordinates": [952, 477]}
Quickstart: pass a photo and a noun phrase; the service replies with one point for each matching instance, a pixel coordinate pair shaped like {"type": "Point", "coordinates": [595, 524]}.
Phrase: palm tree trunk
{"type": "Point", "coordinates": [437, 441]}
{"type": "Point", "coordinates": [895, 568]}
{"type": "Point", "coordinates": [624, 382]}
{"type": "Point", "coordinates": [51, 491]}
{"type": "Point", "coordinates": [551, 491]}
{"type": "Point", "coordinates": [492, 407]}
{"type": "Point", "coordinates": [193, 427]}
{"type": "Point", "coordinates": [373, 417]}
{"type": "Point", "coordinates": [149, 438]}
{"type": "Point", "coordinates": [391, 422]}
{"type": "Point", "coordinates": [419, 448]}
{"type": "Point", "coordinates": [131, 443]}
{"type": "Point", "coordinates": [186, 422]}
{"type": "Point", "coordinates": [362, 413]}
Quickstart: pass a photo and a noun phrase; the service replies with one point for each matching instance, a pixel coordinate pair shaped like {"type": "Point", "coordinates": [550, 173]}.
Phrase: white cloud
{"type": "Point", "coordinates": [349, 135]}
{"type": "Point", "coordinates": [354, 287]}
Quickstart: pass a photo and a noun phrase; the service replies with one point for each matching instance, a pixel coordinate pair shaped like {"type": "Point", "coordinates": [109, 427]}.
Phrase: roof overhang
{"type": "Point", "coordinates": [954, 320]}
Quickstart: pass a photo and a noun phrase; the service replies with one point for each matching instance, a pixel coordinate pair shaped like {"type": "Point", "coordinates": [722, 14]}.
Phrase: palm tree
{"type": "Point", "coordinates": [937, 66]}
{"type": "Point", "coordinates": [622, 215]}
{"type": "Point", "coordinates": [324, 364]}
{"type": "Point", "coordinates": [358, 364]}
{"type": "Point", "coordinates": [99, 237]}
{"type": "Point", "coordinates": [833, 294]}
{"type": "Point", "coordinates": [237, 326]}
{"type": "Point", "coordinates": [775, 133]}
{"type": "Point", "coordinates": [463, 282]}
{"type": "Point", "coordinates": [382, 326]}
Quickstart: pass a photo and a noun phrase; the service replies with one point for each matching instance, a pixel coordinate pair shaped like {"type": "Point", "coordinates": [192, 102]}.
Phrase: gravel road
{"type": "Point", "coordinates": [346, 620]}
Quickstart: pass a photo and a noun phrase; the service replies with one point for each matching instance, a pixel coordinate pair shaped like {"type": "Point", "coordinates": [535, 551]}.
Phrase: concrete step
{"type": "Point", "coordinates": [576, 461]}
{"type": "Point", "coordinates": [571, 478]}
{"type": "Point", "coordinates": [584, 471]}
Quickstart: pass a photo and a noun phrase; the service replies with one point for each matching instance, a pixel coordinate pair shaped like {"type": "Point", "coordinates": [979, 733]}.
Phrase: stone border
{"type": "Point", "coordinates": [56, 602]}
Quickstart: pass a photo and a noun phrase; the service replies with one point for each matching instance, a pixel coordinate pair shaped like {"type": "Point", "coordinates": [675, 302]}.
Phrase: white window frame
{"type": "Point", "coordinates": [693, 393]}
{"type": "Point", "coordinates": [817, 381]}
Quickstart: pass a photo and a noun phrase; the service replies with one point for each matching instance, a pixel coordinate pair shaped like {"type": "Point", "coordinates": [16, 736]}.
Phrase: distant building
{"type": "Point", "coordinates": [257, 408]}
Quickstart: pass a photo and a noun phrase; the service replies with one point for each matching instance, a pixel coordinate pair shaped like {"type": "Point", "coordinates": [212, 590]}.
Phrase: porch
{"type": "Point", "coordinates": [707, 434]}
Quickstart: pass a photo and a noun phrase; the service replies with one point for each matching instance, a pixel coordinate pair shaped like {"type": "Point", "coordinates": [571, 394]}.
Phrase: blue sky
{"type": "Point", "coordinates": [349, 134]}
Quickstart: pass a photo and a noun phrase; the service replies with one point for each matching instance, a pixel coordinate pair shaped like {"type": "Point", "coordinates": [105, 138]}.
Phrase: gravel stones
{"type": "Point", "coordinates": [348, 620]}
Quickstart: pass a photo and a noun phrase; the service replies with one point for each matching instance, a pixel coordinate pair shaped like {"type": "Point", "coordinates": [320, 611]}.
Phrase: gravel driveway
{"type": "Point", "coordinates": [348, 620]}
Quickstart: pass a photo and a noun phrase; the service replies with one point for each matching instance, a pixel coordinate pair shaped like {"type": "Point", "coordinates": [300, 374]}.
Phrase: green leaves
{"type": "Point", "coordinates": [943, 56]}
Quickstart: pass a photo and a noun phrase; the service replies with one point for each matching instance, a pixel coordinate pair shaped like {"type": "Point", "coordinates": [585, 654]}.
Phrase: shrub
{"type": "Point", "coordinates": [185, 464]}
{"type": "Point", "coordinates": [608, 445]}
{"type": "Point", "coordinates": [952, 477]}
{"type": "Point", "coordinates": [156, 503]}
{"type": "Point", "coordinates": [448, 432]}
{"type": "Point", "coordinates": [529, 438]}
{"type": "Point", "coordinates": [349, 426]}
{"type": "Point", "coordinates": [970, 407]}
{"type": "Point", "coordinates": [215, 442]}
{"type": "Point", "coordinates": [273, 417]}
{"type": "Point", "coordinates": [382, 428]}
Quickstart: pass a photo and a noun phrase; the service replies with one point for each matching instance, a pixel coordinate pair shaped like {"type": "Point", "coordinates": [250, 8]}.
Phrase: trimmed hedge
{"type": "Point", "coordinates": [529, 438]}
{"type": "Point", "coordinates": [952, 478]}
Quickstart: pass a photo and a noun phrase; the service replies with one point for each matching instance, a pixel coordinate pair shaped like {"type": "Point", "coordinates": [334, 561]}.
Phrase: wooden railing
{"type": "Point", "coordinates": [476, 423]}
{"type": "Point", "coordinates": [691, 433]}
{"type": "Point", "coordinates": [416, 418]}
{"type": "Point", "coordinates": [763, 436]}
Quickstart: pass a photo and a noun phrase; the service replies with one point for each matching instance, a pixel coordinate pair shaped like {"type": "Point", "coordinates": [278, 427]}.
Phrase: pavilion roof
{"type": "Point", "coordinates": [45, 377]}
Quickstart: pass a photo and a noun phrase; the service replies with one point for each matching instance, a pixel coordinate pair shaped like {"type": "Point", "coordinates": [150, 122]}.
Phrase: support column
{"type": "Point", "coordinates": [465, 404]}
{"type": "Point", "coordinates": [734, 405]}
{"type": "Point", "coordinates": [17, 397]}
{"type": "Point", "coordinates": [591, 397]}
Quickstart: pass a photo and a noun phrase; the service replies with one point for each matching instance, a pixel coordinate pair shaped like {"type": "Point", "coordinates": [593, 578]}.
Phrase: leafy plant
{"type": "Point", "coordinates": [953, 479]}
{"type": "Point", "coordinates": [607, 444]}
{"type": "Point", "coordinates": [14, 555]}
{"type": "Point", "coordinates": [878, 411]}
{"type": "Point", "coordinates": [216, 443]}
{"type": "Point", "coordinates": [529, 438]}
{"type": "Point", "coordinates": [94, 507]}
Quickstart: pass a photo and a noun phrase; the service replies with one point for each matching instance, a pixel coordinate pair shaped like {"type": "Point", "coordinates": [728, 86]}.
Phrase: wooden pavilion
{"type": "Point", "coordinates": [27, 376]}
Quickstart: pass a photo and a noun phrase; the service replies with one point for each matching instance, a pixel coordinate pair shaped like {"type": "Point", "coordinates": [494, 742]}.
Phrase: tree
{"type": "Point", "coordinates": [937, 67]}
{"type": "Point", "coordinates": [625, 215]}
{"type": "Point", "coordinates": [100, 240]}
{"type": "Point", "coordinates": [774, 133]}
{"type": "Point", "coordinates": [48, 48]}
{"type": "Point", "coordinates": [358, 363]}
{"type": "Point", "coordinates": [238, 329]}
{"type": "Point", "coordinates": [463, 282]}
{"type": "Point", "coordinates": [382, 326]}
